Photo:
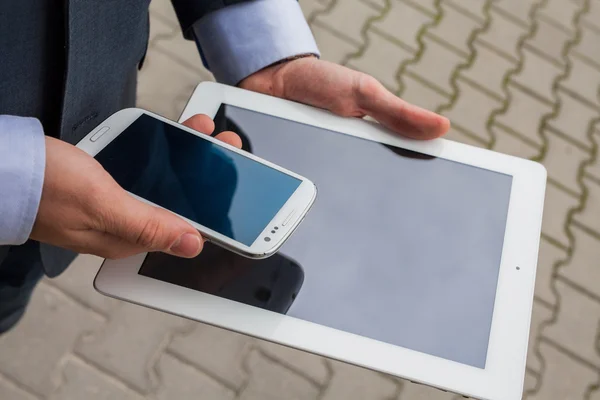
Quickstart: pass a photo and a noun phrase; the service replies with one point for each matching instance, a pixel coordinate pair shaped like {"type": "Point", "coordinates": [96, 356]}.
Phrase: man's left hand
{"type": "Point", "coordinates": [345, 92]}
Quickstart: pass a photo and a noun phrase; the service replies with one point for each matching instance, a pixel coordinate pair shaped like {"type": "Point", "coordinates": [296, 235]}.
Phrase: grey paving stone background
{"type": "Point", "coordinates": [517, 76]}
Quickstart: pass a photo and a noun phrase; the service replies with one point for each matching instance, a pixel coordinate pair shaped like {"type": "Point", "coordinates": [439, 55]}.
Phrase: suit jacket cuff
{"type": "Point", "coordinates": [241, 39]}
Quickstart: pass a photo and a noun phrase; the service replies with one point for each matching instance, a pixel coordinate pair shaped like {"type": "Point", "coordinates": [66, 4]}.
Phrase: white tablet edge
{"type": "Point", "coordinates": [503, 375]}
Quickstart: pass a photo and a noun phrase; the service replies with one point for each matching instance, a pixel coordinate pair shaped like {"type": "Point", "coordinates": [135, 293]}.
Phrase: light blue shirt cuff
{"type": "Point", "coordinates": [22, 166]}
{"type": "Point", "coordinates": [241, 39]}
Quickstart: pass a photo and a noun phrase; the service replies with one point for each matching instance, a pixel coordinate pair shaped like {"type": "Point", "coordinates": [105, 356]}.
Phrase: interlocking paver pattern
{"type": "Point", "coordinates": [517, 76]}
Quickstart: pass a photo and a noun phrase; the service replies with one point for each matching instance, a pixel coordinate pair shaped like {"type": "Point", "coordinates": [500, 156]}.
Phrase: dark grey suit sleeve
{"type": "Point", "coordinates": [190, 11]}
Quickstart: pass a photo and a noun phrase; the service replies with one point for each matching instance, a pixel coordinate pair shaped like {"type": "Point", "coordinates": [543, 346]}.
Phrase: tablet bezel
{"type": "Point", "coordinates": [503, 375]}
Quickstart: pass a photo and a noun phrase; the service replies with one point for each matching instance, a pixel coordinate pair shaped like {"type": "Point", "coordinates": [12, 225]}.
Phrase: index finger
{"type": "Point", "coordinates": [400, 116]}
{"type": "Point", "coordinates": [203, 124]}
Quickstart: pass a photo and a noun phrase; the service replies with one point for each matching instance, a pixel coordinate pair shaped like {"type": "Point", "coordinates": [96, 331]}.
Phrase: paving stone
{"type": "Point", "coordinates": [549, 255]}
{"type": "Point", "coordinates": [583, 269]}
{"type": "Point", "coordinates": [530, 382]}
{"type": "Point", "coordinates": [181, 51]}
{"type": "Point", "coordinates": [163, 22]}
{"type": "Point", "coordinates": [381, 60]}
{"type": "Point", "coordinates": [472, 110]}
{"type": "Point", "coordinates": [216, 350]}
{"type": "Point", "coordinates": [164, 10]}
{"type": "Point", "coordinates": [182, 83]}
{"type": "Point", "coordinates": [437, 64]}
{"type": "Point", "coordinates": [540, 315]}
{"type": "Point", "coordinates": [584, 80]}
{"type": "Point", "coordinates": [474, 8]}
{"type": "Point", "coordinates": [330, 45]}
{"type": "Point", "coordinates": [557, 204]}
{"type": "Point", "coordinates": [378, 4]}
{"type": "Point", "coordinates": [77, 281]}
{"type": "Point", "coordinates": [181, 381]}
{"type": "Point", "coordinates": [517, 8]}
{"type": "Point", "coordinates": [503, 34]}
{"type": "Point", "coordinates": [403, 22]}
{"type": "Point", "coordinates": [573, 118]}
{"type": "Point", "coordinates": [579, 2]}
{"type": "Point", "coordinates": [592, 17]}
{"type": "Point", "coordinates": [30, 353]}
{"type": "Point", "coordinates": [538, 75]}
{"type": "Point", "coordinates": [594, 168]}
{"type": "Point", "coordinates": [576, 309]}
{"type": "Point", "coordinates": [82, 381]}
{"type": "Point", "coordinates": [350, 382]}
{"type": "Point", "coordinates": [588, 45]}
{"type": "Point", "coordinates": [594, 171]}
{"type": "Point", "coordinates": [271, 381]}
{"type": "Point", "coordinates": [10, 391]}
{"type": "Point", "coordinates": [488, 69]}
{"type": "Point", "coordinates": [524, 114]}
{"type": "Point", "coordinates": [456, 28]}
{"type": "Point", "coordinates": [590, 216]}
{"type": "Point", "coordinates": [415, 391]}
{"type": "Point", "coordinates": [307, 364]}
{"type": "Point", "coordinates": [550, 40]}
{"type": "Point", "coordinates": [427, 5]}
{"type": "Point", "coordinates": [127, 344]}
{"type": "Point", "coordinates": [458, 136]}
{"type": "Point", "coordinates": [562, 160]}
{"type": "Point", "coordinates": [508, 143]}
{"type": "Point", "coordinates": [564, 378]}
{"type": "Point", "coordinates": [560, 11]}
{"type": "Point", "coordinates": [348, 18]}
{"type": "Point", "coordinates": [416, 92]}
{"type": "Point", "coordinates": [309, 7]}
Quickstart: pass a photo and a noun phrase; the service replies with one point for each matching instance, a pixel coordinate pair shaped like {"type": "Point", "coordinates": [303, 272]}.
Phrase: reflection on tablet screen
{"type": "Point", "coordinates": [271, 284]}
{"type": "Point", "coordinates": [399, 247]}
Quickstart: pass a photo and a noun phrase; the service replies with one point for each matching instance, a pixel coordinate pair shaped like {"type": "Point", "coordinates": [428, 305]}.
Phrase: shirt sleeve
{"type": "Point", "coordinates": [22, 166]}
{"type": "Point", "coordinates": [241, 39]}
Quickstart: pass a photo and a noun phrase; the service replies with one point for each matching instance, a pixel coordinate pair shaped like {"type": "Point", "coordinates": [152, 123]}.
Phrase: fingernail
{"type": "Point", "coordinates": [188, 245]}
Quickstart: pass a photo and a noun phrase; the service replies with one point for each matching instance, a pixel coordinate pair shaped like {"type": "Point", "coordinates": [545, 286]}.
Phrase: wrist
{"type": "Point", "coordinates": [270, 80]}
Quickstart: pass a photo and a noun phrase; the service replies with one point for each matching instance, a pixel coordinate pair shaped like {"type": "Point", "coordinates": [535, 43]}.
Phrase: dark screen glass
{"type": "Point", "coordinates": [399, 247]}
{"type": "Point", "coordinates": [271, 284]}
{"type": "Point", "coordinates": [215, 187]}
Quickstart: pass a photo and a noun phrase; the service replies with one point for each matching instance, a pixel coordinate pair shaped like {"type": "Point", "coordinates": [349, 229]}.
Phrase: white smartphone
{"type": "Point", "coordinates": [235, 199]}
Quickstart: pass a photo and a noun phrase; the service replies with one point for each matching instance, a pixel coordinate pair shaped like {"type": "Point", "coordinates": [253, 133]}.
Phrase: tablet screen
{"type": "Point", "coordinates": [399, 247]}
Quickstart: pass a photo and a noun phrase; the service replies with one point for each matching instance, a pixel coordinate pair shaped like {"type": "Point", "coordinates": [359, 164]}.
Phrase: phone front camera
{"type": "Point", "coordinates": [267, 239]}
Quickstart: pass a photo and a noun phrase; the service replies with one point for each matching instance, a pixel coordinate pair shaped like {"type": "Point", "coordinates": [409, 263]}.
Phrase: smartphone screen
{"type": "Point", "coordinates": [197, 179]}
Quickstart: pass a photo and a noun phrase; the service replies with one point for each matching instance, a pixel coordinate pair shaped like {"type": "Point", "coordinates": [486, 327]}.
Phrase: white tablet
{"type": "Point", "coordinates": [417, 260]}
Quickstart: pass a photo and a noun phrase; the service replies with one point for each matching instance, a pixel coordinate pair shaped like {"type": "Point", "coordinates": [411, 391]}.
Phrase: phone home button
{"type": "Point", "coordinates": [98, 134]}
{"type": "Point", "coordinates": [288, 218]}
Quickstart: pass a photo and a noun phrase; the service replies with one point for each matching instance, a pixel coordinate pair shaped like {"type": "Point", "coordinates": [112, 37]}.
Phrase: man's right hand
{"type": "Point", "coordinates": [83, 209]}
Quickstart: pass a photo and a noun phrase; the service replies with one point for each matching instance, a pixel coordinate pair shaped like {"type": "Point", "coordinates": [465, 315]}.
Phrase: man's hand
{"type": "Point", "coordinates": [345, 92]}
{"type": "Point", "coordinates": [85, 210]}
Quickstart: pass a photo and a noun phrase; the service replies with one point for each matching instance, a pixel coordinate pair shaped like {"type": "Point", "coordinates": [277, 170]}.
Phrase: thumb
{"type": "Point", "coordinates": [153, 228]}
